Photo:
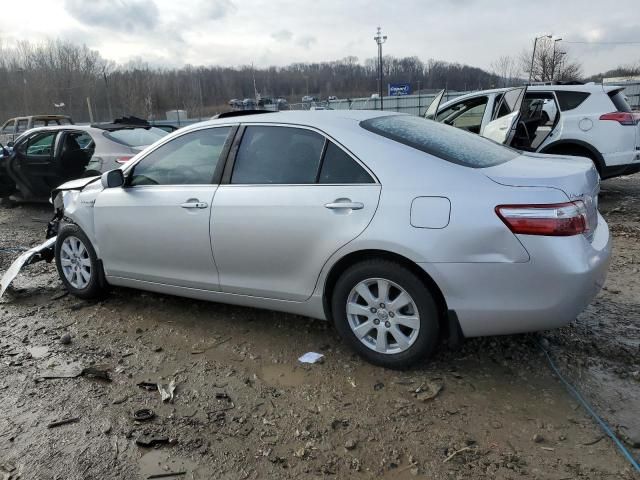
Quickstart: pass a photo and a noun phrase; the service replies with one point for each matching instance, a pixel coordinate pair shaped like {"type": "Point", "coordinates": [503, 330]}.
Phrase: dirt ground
{"type": "Point", "coordinates": [245, 408]}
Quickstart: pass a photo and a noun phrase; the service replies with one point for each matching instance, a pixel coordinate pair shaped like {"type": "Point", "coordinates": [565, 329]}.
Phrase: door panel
{"type": "Point", "coordinates": [506, 116]}
{"type": "Point", "coordinates": [166, 232]}
{"type": "Point", "coordinates": [272, 240]}
{"type": "Point", "coordinates": [434, 105]}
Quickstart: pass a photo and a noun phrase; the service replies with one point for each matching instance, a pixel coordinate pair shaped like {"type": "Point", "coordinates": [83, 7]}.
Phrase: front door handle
{"type": "Point", "coordinates": [194, 203]}
{"type": "Point", "coordinates": [345, 205]}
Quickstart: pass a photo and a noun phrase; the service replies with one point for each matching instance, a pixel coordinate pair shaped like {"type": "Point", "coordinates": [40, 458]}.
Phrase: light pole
{"type": "Point", "coordinates": [553, 65]}
{"type": "Point", "coordinates": [533, 55]}
{"type": "Point", "coordinates": [380, 39]}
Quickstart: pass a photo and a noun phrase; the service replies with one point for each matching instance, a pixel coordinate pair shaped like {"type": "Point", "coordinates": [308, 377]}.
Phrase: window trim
{"type": "Point", "coordinates": [217, 173]}
{"type": "Point", "coordinates": [231, 160]}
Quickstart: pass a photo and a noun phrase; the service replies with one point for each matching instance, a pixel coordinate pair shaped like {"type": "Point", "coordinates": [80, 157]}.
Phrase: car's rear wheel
{"type": "Point", "coordinates": [386, 313]}
{"type": "Point", "coordinates": [78, 265]}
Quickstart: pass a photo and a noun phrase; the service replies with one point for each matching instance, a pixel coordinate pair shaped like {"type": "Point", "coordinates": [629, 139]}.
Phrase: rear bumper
{"type": "Point", "coordinates": [562, 277]}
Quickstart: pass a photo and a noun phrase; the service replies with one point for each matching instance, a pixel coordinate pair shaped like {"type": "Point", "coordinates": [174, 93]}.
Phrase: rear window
{"type": "Point", "coordinates": [617, 97]}
{"type": "Point", "coordinates": [136, 137]}
{"type": "Point", "coordinates": [448, 143]}
{"type": "Point", "coordinates": [570, 100]}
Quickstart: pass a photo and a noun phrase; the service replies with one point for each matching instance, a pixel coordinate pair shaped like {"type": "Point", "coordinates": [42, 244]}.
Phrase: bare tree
{"type": "Point", "coordinates": [508, 69]}
{"type": "Point", "coordinates": [551, 62]}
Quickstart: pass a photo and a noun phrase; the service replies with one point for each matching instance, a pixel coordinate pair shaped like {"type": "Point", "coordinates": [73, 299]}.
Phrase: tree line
{"type": "Point", "coordinates": [62, 77]}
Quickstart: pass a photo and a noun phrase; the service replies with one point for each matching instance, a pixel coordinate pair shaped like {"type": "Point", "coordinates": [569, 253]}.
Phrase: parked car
{"type": "Point", "coordinates": [249, 104]}
{"type": "Point", "coordinates": [44, 157]}
{"type": "Point", "coordinates": [592, 121]}
{"type": "Point", "coordinates": [309, 99]}
{"type": "Point", "coordinates": [398, 229]}
{"type": "Point", "coordinates": [14, 127]}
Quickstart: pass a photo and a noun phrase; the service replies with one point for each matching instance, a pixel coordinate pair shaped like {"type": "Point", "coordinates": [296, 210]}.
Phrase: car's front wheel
{"type": "Point", "coordinates": [386, 313]}
{"type": "Point", "coordinates": [77, 263]}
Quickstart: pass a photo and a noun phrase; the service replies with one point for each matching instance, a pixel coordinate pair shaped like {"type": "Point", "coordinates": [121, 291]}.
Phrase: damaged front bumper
{"type": "Point", "coordinates": [46, 250]}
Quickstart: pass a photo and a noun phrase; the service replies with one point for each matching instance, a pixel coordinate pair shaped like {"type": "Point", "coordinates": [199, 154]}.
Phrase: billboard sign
{"type": "Point", "coordinates": [399, 89]}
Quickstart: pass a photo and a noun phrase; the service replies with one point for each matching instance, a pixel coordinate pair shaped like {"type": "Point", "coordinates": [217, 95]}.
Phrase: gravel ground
{"type": "Point", "coordinates": [245, 408]}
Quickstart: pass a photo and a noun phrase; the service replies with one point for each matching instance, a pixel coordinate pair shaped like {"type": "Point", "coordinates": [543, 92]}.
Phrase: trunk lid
{"type": "Point", "coordinates": [575, 176]}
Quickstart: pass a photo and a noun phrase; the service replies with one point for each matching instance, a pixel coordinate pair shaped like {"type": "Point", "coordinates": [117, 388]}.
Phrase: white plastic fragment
{"type": "Point", "coordinates": [20, 262]}
{"type": "Point", "coordinates": [166, 391]}
{"type": "Point", "coordinates": [310, 357]}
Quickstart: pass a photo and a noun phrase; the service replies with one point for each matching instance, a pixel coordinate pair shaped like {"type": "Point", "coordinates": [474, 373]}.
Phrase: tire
{"type": "Point", "coordinates": [77, 263]}
{"type": "Point", "coordinates": [402, 343]}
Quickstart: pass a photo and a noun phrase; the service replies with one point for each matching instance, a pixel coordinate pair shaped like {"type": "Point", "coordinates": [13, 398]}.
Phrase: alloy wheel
{"type": "Point", "coordinates": [75, 262]}
{"type": "Point", "coordinates": [383, 316]}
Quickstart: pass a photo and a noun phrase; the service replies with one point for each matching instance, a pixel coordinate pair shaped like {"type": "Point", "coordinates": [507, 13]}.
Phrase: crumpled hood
{"type": "Point", "coordinates": [77, 184]}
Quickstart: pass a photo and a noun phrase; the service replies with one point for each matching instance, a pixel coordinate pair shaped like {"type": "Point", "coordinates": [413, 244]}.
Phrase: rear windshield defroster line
{"type": "Point", "coordinates": [443, 141]}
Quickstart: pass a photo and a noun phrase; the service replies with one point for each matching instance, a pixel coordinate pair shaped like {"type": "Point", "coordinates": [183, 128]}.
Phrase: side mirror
{"type": "Point", "coordinates": [112, 178]}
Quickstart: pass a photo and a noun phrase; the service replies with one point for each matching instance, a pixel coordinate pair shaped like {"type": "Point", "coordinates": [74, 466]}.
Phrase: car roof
{"type": "Point", "coordinates": [326, 120]}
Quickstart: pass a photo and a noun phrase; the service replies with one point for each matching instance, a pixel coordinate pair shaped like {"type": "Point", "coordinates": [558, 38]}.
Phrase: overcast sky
{"type": "Point", "coordinates": [279, 32]}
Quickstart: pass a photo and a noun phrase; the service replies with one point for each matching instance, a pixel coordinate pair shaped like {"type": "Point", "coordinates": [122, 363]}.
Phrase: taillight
{"type": "Point", "coordinates": [557, 219]}
{"type": "Point", "coordinates": [623, 118]}
{"type": "Point", "coordinates": [124, 159]}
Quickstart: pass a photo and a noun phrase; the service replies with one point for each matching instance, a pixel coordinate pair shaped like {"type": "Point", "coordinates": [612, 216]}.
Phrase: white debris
{"type": "Point", "coordinates": [311, 357]}
{"type": "Point", "coordinates": [21, 261]}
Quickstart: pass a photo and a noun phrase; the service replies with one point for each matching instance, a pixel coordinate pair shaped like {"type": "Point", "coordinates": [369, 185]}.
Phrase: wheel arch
{"type": "Point", "coordinates": [564, 146]}
{"type": "Point", "coordinates": [352, 258]}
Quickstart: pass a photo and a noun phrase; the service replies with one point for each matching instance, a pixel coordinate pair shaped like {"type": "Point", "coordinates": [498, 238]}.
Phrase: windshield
{"type": "Point", "coordinates": [136, 137]}
{"type": "Point", "coordinates": [448, 143]}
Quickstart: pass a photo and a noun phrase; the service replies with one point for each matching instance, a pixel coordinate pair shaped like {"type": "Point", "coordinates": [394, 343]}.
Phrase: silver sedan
{"type": "Point", "coordinates": [398, 229]}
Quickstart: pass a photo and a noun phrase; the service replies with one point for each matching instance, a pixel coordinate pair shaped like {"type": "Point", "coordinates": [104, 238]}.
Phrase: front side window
{"type": "Point", "coordinates": [277, 155]}
{"type": "Point", "coordinates": [467, 114]}
{"type": "Point", "coordinates": [41, 144]}
{"type": "Point", "coordinates": [451, 144]}
{"type": "Point", "coordinates": [190, 159]}
{"type": "Point", "coordinates": [338, 167]}
{"type": "Point", "coordinates": [9, 126]}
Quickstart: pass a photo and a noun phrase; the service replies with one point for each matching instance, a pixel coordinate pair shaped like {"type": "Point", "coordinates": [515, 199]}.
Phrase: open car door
{"type": "Point", "coordinates": [502, 127]}
{"type": "Point", "coordinates": [432, 111]}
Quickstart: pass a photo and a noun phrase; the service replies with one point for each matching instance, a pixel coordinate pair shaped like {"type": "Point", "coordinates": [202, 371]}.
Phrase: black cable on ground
{"type": "Point", "coordinates": [605, 427]}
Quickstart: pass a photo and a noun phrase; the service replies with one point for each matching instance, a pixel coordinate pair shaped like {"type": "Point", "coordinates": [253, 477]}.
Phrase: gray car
{"type": "Point", "coordinates": [42, 158]}
{"type": "Point", "coordinates": [398, 229]}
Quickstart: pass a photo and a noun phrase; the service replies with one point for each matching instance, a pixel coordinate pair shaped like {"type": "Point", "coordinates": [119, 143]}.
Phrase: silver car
{"type": "Point", "coordinates": [398, 229]}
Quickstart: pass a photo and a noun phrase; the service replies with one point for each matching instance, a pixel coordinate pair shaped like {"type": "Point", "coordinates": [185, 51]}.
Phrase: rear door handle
{"type": "Point", "coordinates": [345, 205]}
{"type": "Point", "coordinates": [194, 204]}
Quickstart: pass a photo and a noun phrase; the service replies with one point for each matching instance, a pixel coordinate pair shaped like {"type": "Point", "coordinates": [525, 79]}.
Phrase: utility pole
{"type": "Point", "coordinates": [380, 39]}
{"type": "Point", "coordinates": [106, 89]}
{"type": "Point", "coordinates": [533, 55]}
{"type": "Point", "coordinates": [553, 65]}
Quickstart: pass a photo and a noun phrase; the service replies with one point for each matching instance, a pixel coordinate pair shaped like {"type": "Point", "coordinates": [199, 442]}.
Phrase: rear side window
{"type": "Point", "coordinates": [617, 97]}
{"type": "Point", "coordinates": [338, 167]}
{"type": "Point", "coordinates": [278, 155]}
{"type": "Point", "coordinates": [448, 143]}
{"type": "Point", "coordinates": [22, 126]}
{"type": "Point", "coordinates": [570, 100]}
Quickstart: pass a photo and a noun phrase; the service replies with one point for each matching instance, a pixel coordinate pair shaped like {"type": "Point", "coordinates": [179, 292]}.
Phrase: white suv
{"type": "Point", "coordinates": [590, 120]}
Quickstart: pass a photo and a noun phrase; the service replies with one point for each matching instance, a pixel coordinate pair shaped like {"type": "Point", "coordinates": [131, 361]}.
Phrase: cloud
{"type": "Point", "coordinates": [306, 41]}
{"type": "Point", "coordinates": [118, 15]}
{"type": "Point", "coordinates": [216, 9]}
{"type": "Point", "coordinates": [282, 35]}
